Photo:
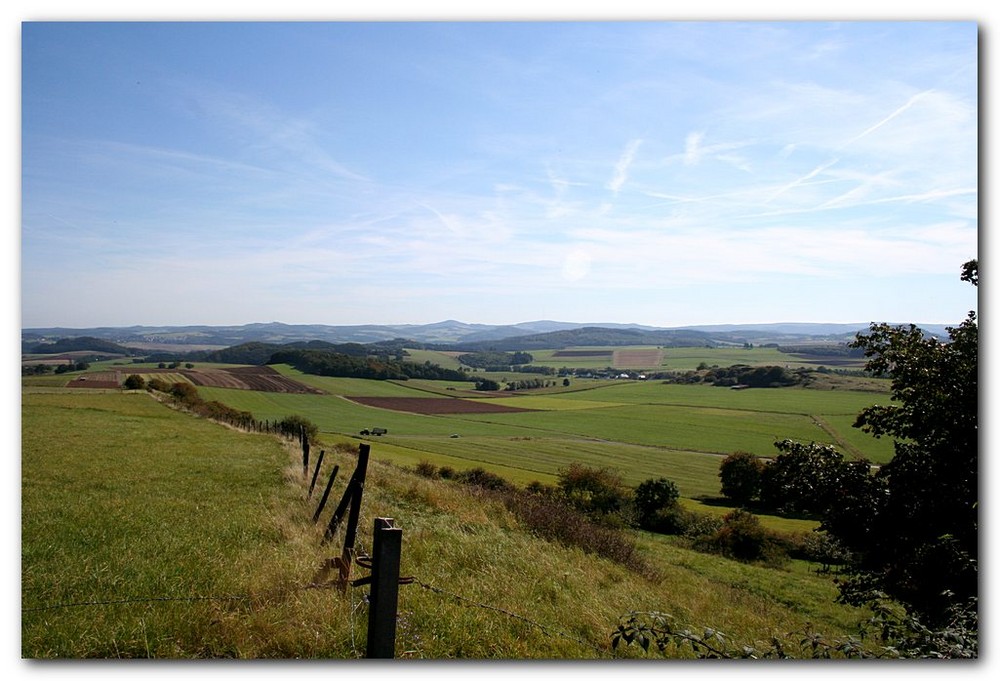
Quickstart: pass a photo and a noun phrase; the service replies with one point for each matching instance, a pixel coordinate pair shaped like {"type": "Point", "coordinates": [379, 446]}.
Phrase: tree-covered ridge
{"type": "Point", "coordinates": [589, 336]}
{"type": "Point", "coordinates": [81, 343]}
{"type": "Point", "coordinates": [260, 353]}
{"type": "Point", "coordinates": [326, 363]}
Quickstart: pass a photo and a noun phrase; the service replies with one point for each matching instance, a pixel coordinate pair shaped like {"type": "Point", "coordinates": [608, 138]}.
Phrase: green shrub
{"type": "Point", "coordinates": [427, 470]}
{"type": "Point", "coordinates": [185, 393]}
{"type": "Point", "coordinates": [553, 519]}
{"type": "Point", "coordinates": [479, 477]}
{"type": "Point", "coordinates": [158, 384]}
{"type": "Point", "coordinates": [600, 493]}
{"type": "Point", "coordinates": [294, 424]}
{"type": "Point", "coordinates": [743, 538]}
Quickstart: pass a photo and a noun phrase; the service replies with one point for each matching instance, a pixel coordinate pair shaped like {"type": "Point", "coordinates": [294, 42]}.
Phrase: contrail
{"type": "Point", "coordinates": [888, 118]}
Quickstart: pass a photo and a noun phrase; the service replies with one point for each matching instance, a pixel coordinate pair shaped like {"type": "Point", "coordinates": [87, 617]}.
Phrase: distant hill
{"type": "Point", "coordinates": [590, 335]}
{"type": "Point", "coordinates": [534, 334]}
{"type": "Point", "coordinates": [78, 344]}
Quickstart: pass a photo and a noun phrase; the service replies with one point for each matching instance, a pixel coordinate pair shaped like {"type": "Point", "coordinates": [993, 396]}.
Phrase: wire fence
{"type": "Point", "coordinates": [356, 604]}
{"type": "Point", "coordinates": [350, 503]}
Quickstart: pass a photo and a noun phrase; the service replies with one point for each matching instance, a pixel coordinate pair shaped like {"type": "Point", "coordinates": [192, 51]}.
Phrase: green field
{"type": "Point", "coordinates": [642, 429]}
{"type": "Point", "coordinates": [687, 359]}
{"type": "Point", "coordinates": [149, 533]}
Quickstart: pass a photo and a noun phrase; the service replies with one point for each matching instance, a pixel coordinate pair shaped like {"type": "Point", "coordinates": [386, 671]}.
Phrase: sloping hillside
{"type": "Point", "coordinates": [176, 558]}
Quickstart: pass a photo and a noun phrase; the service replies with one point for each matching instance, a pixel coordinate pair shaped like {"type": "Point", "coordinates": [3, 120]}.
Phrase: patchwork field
{"type": "Point", "coordinates": [642, 429]}
{"type": "Point", "coordinates": [258, 378]}
{"type": "Point", "coordinates": [262, 378]}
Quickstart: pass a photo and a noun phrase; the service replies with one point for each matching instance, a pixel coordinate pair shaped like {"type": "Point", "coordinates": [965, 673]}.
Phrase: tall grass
{"type": "Point", "coordinates": [147, 532]}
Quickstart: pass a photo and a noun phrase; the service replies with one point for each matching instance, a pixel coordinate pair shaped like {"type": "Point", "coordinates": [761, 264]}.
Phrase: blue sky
{"type": "Point", "coordinates": [661, 173]}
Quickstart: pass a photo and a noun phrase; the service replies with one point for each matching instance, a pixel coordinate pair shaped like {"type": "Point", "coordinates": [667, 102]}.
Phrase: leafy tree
{"type": "Point", "coordinates": [740, 474]}
{"type": "Point", "coordinates": [651, 497]}
{"type": "Point", "coordinates": [807, 478]}
{"type": "Point", "coordinates": [915, 534]}
{"type": "Point", "coordinates": [134, 382]}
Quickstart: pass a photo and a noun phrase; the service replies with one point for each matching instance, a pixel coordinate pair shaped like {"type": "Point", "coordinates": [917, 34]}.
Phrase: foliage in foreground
{"type": "Point", "coordinates": [914, 531]}
{"type": "Point", "coordinates": [890, 633]}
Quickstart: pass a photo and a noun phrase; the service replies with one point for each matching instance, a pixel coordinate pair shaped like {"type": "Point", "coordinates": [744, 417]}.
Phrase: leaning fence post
{"type": "Point", "coordinates": [326, 493]}
{"type": "Point", "coordinates": [319, 462]}
{"type": "Point", "coordinates": [384, 599]}
{"type": "Point", "coordinates": [355, 486]}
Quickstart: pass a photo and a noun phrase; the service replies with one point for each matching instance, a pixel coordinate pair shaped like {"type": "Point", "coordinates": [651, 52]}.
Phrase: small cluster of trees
{"type": "Point", "coordinates": [804, 478]}
{"type": "Point", "coordinates": [742, 374]}
{"type": "Point", "coordinates": [528, 384]}
{"type": "Point", "coordinates": [42, 369]}
{"type": "Point", "coordinates": [175, 365]}
{"type": "Point", "coordinates": [495, 361]}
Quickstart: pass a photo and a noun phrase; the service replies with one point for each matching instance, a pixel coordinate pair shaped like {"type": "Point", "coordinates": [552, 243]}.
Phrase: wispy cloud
{"type": "Point", "coordinates": [799, 181]}
{"type": "Point", "coordinates": [394, 178]}
{"type": "Point", "coordinates": [692, 148]}
{"type": "Point", "coordinates": [623, 165]}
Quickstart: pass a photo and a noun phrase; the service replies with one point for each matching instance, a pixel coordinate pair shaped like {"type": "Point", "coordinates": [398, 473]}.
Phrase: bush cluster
{"type": "Point", "coordinates": [550, 515]}
{"type": "Point", "coordinates": [591, 507]}
{"type": "Point", "coordinates": [186, 395]}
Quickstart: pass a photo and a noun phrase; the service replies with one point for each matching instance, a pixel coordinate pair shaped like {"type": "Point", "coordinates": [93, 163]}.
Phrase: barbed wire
{"type": "Point", "coordinates": [472, 603]}
{"type": "Point", "coordinates": [143, 599]}
{"type": "Point", "coordinates": [355, 606]}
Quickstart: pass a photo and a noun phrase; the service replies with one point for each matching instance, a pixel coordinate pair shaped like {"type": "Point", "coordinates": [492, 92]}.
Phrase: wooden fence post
{"type": "Point", "coordinates": [326, 493]}
{"type": "Point", "coordinates": [319, 462]}
{"type": "Point", "coordinates": [352, 497]}
{"type": "Point", "coordinates": [305, 451]}
{"type": "Point", "coordinates": [384, 599]}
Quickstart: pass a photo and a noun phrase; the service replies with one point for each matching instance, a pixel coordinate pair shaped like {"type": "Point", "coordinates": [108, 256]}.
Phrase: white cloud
{"type": "Point", "coordinates": [623, 165]}
{"type": "Point", "coordinates": [692, 151]}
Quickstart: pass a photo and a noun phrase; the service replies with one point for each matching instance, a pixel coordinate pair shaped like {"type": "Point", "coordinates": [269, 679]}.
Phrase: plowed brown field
{"type": "Point", "coordinates": [98, 379]}
{"type": "Point", "coordinates": [263, 378]}
{"type": "Point", "coordinates": [638, 359]}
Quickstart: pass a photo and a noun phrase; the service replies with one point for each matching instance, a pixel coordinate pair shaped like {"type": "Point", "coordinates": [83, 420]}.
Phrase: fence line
{"type": "Point", "coordinates": [350, 504]}
{"type": "Point", "coordinates": [472, 603]}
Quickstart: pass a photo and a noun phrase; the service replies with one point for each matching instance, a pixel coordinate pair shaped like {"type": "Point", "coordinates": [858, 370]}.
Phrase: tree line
{"type": "Point", "coordinates": [325, 363]}
{"type": "Point", "coordinates": [908, 529]}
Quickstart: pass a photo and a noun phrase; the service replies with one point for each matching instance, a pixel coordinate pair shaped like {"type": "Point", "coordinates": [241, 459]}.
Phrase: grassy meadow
{"type": "Point", "coordinates": [148, 532]}
{"type": "Point", "coordinates": [641, 428]}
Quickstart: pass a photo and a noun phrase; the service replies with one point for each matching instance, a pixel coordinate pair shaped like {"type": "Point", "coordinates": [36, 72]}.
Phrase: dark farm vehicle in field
{"type": "Point", "coordinates": [374, 431]}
